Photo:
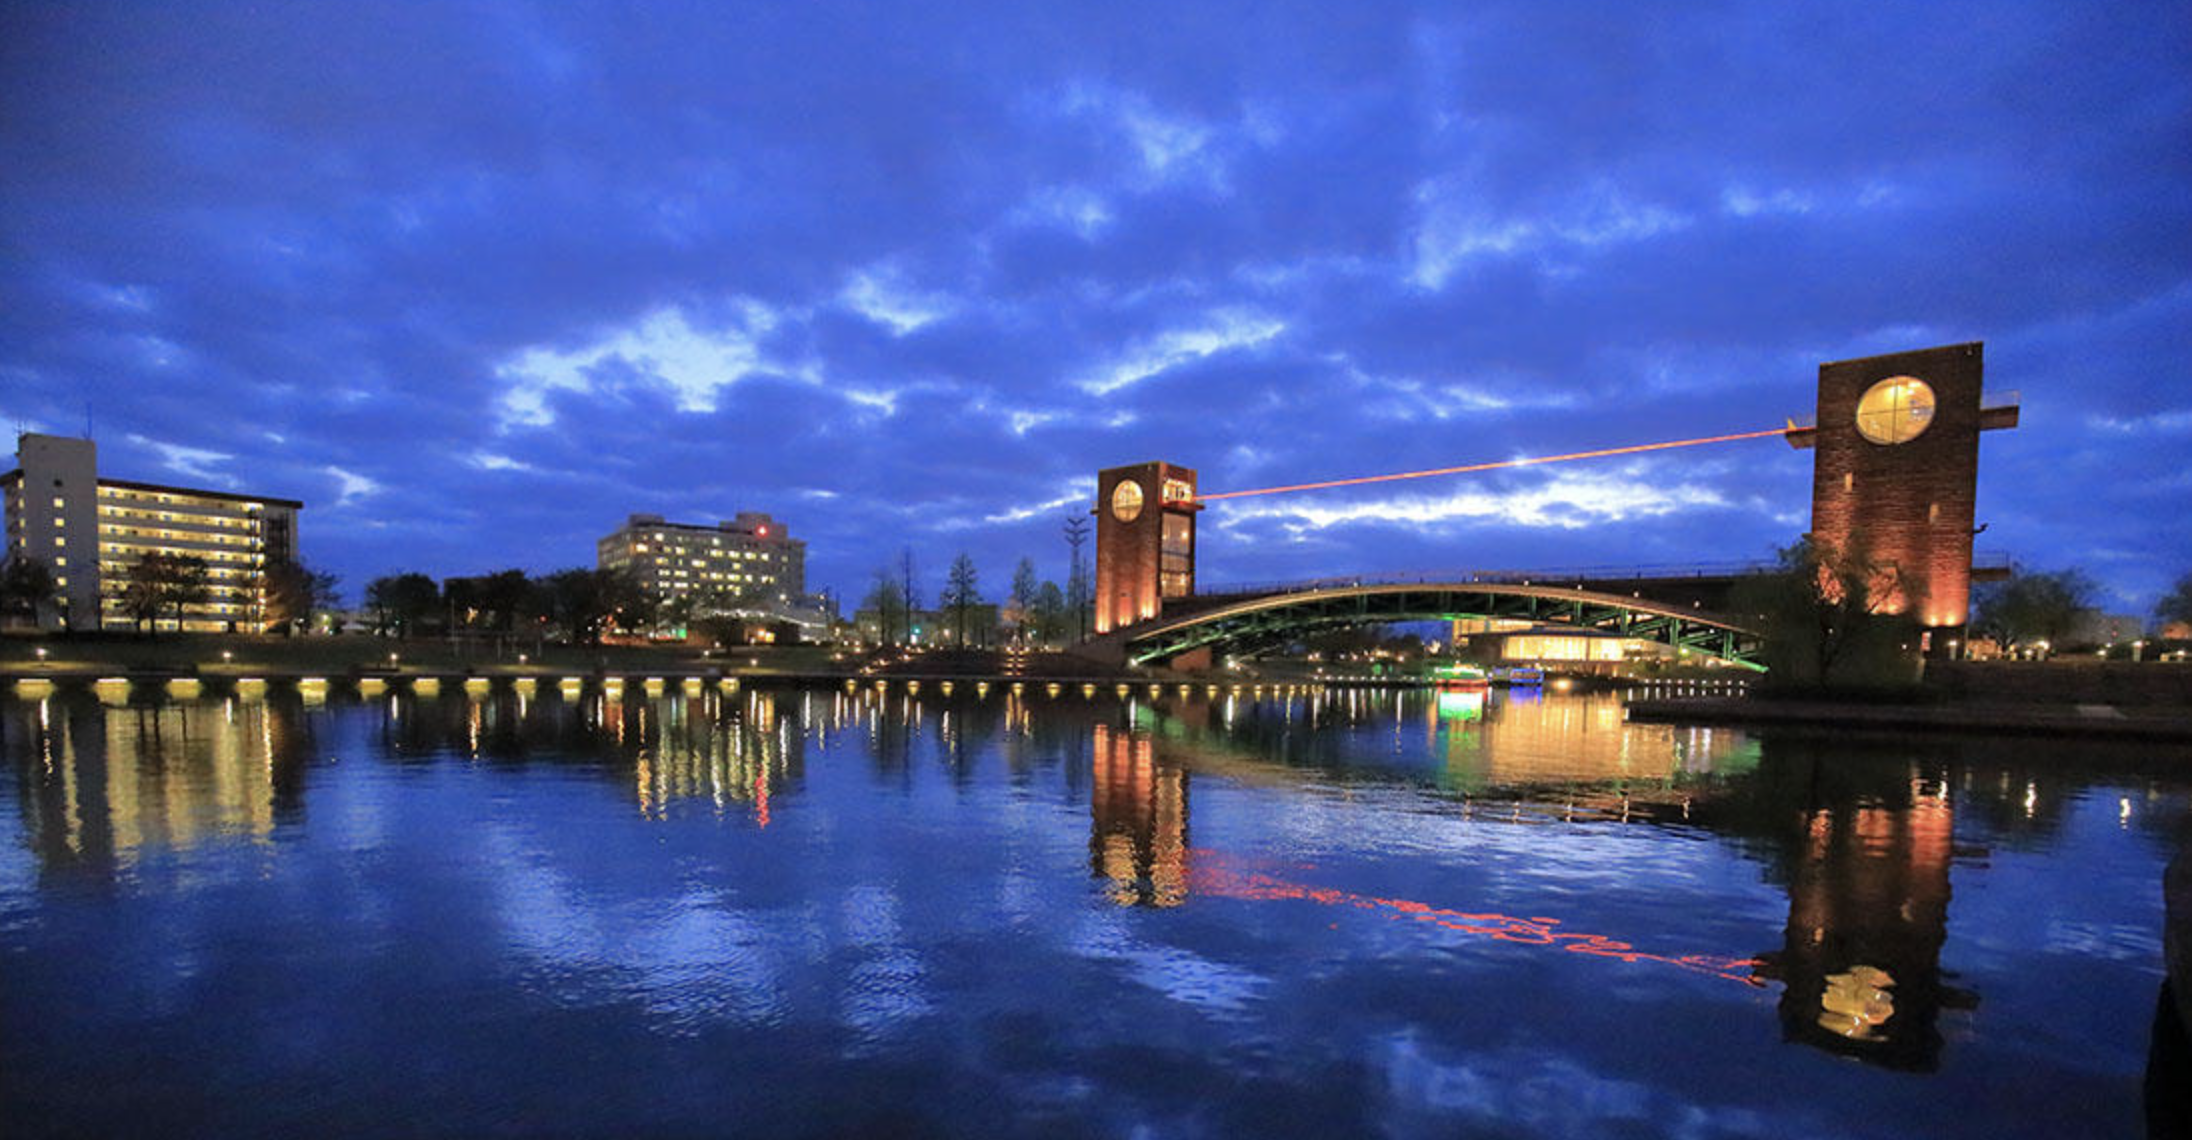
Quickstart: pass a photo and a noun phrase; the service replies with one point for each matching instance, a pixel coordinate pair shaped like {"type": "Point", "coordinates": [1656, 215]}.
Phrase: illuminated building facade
{"type": "Point", "coordinates": [89, 531]}
{"type": "Point", "coordinates": [750, 562]}
{"type": "Point", "coordinates": [1145, 541]}
{"type": "Point", "coordinates": [1895, 473]}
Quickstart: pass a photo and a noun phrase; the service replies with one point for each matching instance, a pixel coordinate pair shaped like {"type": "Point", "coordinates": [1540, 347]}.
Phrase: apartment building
{"type": "Point", "coordinates": [89, 531]}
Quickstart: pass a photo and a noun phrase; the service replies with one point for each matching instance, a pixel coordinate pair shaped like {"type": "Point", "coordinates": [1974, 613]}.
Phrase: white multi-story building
{"type": "Point", "coordinates": [89, 531]}
{"type": "Point", "coordinates": [746, 564]}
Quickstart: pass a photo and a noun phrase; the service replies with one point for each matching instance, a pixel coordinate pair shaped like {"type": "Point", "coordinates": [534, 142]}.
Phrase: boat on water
{"type": "Point", "coordinates": [1460, 678]}
{"type": "Point", "coordinates": [1523, 675]}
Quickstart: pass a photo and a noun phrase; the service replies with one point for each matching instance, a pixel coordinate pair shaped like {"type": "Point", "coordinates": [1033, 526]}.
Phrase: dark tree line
{"type": "Point", "coordinates": [1034, 611]}
{"type": "Point", "coordinates": [578, 605]}
{"type": "Point", "coordinates": [161, 585]}
{"type": "Point", "coordinates": [2033, 609]}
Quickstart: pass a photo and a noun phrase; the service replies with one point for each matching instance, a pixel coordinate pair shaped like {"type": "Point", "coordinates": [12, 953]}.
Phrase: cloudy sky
{"type": "Point", "coordinates": [476, 280]}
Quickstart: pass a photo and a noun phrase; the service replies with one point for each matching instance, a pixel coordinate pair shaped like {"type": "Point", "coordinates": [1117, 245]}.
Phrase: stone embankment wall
{"type": "Point", "coordinates": [2074, 682]}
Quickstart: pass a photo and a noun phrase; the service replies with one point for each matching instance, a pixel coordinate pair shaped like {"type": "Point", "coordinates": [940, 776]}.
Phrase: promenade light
{"type": "Point", "coordinates": [41, 651]}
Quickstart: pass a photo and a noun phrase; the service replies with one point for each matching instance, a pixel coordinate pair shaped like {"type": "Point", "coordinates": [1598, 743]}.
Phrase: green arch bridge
{"type": "Point", "coordinates": [1252, 621]}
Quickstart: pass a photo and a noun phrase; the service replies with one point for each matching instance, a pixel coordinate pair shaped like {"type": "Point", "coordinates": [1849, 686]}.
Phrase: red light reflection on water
{"type": "Point", "coordinates": [1211, 875]}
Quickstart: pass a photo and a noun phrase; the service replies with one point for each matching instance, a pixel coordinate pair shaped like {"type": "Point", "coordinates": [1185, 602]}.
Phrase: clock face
{"type": "Point", "coordinates": [1896, 410]}
{"type": "Point", "coordinates": [1126, 501]}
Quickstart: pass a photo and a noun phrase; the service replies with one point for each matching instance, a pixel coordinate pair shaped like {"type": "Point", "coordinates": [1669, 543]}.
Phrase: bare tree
{"type": "Point", "coordinates": [1823, 608]}
{"type": "Point", "coordinates": [961, 594]}
{"type": "Point", "coordinates": [26, 585]}
{"type": "Point", "coordinates": [2031, 608]}
{"type": "Point", "coordinates": [159, 581]}
{"type": "Point", "coordinates": [293, 592]}
{"type": "Point", "coordinates": [2176, 606]}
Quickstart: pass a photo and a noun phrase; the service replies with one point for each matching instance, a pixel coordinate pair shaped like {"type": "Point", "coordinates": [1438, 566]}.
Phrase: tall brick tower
{"type": "Point", "coordinates": [1145, 541]}
{"type": "Point", "coordinates": [1896, 472]}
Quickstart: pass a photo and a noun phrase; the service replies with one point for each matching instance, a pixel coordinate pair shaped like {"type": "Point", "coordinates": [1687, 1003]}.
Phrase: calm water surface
{"type": "Point", "coordinates": [801, 913]}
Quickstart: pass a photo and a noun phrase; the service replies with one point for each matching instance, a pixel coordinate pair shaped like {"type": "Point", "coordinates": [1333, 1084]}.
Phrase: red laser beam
{"type": "Point", "coordinates": [1212, 877]}
{"type": "Point", "coordinates": [1599, 454]}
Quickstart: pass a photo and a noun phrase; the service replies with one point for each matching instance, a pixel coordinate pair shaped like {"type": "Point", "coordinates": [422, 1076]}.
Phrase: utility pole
{"type": "Point", "coordinates": [906, 588]}
{"type": "Point", "coordinates": [1077, 591]}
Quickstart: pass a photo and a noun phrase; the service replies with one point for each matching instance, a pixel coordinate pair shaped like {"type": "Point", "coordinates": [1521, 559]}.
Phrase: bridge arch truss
{"type": "Point", "coordinates": [1254, 623]}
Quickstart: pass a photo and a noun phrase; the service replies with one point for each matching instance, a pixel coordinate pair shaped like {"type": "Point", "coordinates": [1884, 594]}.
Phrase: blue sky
{"type": "Point", "coordinates": [477, 280]}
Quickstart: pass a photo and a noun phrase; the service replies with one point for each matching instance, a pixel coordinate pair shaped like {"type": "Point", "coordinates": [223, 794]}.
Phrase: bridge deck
{"type": "Point", "coordinates": [1248, 620]}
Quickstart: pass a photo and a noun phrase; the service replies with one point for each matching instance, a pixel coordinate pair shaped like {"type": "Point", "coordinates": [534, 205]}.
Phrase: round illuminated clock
{"type": "Point", "coordinates": [1126, 500]}
{"type": "Point", "coordinates": [1896, 410]}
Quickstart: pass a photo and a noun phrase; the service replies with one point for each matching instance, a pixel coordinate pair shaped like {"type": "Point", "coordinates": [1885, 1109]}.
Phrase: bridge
{"type": "Point", "coordinates": [1895, 443]}
{"type": "Point", "coordinates": [1262, 618]}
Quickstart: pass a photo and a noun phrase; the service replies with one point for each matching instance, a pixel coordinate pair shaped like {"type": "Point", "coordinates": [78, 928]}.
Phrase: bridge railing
{"type": "Point", "coordinates": [1568, 575]}
{"type": "Point", "coordinates": [1543, 576]}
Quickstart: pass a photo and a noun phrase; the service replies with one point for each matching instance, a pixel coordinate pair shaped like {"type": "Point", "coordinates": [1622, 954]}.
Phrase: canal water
{"type": "Point", "coordinates": [789, 913]}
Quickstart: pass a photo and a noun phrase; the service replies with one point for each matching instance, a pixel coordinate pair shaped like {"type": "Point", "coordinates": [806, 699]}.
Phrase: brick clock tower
{"type": "Point", "coordinates": [1896, 470]}
{"type": "Point", "coordinates": [1145, 541]}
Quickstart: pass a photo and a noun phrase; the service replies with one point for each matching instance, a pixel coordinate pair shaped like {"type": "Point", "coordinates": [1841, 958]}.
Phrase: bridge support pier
{"type": "Point", "coordinates": [1193, 661]}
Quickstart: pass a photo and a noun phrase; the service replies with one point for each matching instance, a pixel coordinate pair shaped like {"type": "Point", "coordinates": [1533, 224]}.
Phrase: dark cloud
{"type": "Point", "coordinates": [907, 279]}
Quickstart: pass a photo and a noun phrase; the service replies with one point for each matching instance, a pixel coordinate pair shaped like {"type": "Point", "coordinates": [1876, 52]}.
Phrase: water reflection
{"type": "Point", "coordinates": [110, 781]}
{"type": "Point", "coordinates": [1857, 845]}
{"type": "Point", "coordinates": [1138, 813]}
{"type": "Point", "coordinates": [1866, 863]}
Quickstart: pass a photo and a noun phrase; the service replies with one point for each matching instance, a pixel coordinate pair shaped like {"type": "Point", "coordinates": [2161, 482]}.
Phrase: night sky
{"type": "Point", "coordinates": [475, 281]}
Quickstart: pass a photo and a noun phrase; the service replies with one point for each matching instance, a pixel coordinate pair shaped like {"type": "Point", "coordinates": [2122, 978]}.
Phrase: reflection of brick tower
{"type": "Point", "coordinates": [1864, 840]}
{"type": "Point", "coordinates": [1145, 541]}
{"type": "Point", "coordinates": [1138, 817]}
{"type": "Point", "coordinates": [1868, 912]}
{"type": "Point", "coordinates": [1895, 478]}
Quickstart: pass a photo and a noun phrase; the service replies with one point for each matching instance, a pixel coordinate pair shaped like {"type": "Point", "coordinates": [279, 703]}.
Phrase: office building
{"type": "Point", "coordinates": [746, 565]}
{"type": "Point", "coordinates": [89, 531]}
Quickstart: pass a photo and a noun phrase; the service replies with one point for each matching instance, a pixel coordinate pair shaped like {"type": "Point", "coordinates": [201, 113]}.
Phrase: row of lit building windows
{"type": "Point", "coordinates": [210, 522]}
{"type": "Point", "coordinates": [705, 558]}
{"type": "Point", "coordinates": [216, 560]}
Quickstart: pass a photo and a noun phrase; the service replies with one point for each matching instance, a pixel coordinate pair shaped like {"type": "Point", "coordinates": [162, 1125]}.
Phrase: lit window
{"type": "Point", "coordinates": [62, 561]}
{"type": "Point", "coordinates": [60, 582]}
{"type": "Point", "coordinates": [59, 502]}
{"type": "Point", "coordinates": [1895, 410]}
{"type": "Point", "coordinates": [59, 540]}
